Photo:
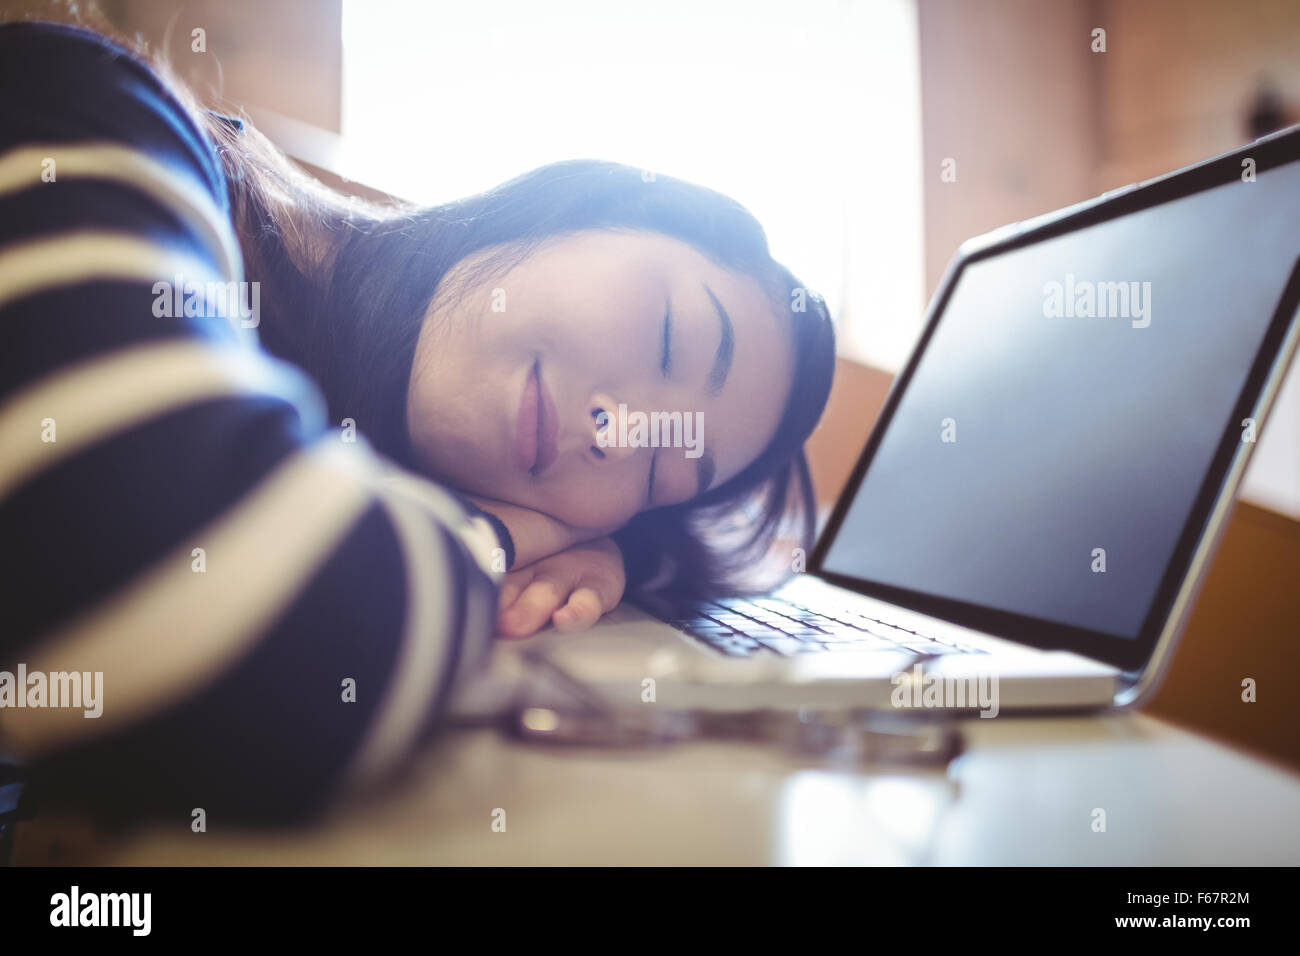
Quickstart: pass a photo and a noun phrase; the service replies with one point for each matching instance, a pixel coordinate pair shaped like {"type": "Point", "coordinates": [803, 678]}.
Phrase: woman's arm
{"type": "Point", "coordinates": [265, 616]}
{"type": "Point", "coordinates": [535, 535]}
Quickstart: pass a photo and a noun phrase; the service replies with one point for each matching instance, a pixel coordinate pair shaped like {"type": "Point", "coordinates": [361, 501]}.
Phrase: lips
{"type": "Point", "coordinates": [537, 425]}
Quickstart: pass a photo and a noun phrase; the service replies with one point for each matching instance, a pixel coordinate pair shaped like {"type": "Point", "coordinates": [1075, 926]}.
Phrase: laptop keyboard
{"type": "Point", "coordinates": [739, 628]}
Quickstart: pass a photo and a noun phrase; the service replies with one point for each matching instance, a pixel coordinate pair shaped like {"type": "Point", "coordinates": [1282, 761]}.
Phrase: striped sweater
{"type": "Point", "coordinates": [278, 614]}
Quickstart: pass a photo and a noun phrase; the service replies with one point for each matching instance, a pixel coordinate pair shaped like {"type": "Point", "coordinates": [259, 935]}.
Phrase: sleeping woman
{"type": "Point", "coordinates": [282, 539]}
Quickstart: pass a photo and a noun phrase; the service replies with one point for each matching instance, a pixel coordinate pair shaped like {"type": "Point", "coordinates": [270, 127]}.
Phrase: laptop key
{"type": "Point", "coordinates": [801, 634]}
{"type": "Point", "coordinates": [730, 643]}
{"type": "Point", "coordinates": [868, 642]}
{"type": "Point", "coordinates": [687, 623]}
{"type": "Point", "coordinates": [713, 633]}
{"type": "Point", "coordinates": [864, 647]}
{"type": "Point", "coordinates": [740, 606]}
{"type": "Point", "coordinates": [789, 645]}
{"type": "Point", "coordinates": [733, 650]}
{"type": "Point", "coordinates": [930, 647]}
{"type": "Point", "coordinates": [738, 627]}
{"type": "Point", "coordinates": [730, 617]}
{"type": "Point", "coordinates": [815, 620]}
{"type": "Point", "coordinates": [711, 630]}
{"type": "Point", "coordinates": [846, 629]}
{"type": "Point", "coordinates": [843, 637]}
{"type": "Point", "coordinates": [731, 603]}
{"type": "Point", "coordinates": [891, 632]}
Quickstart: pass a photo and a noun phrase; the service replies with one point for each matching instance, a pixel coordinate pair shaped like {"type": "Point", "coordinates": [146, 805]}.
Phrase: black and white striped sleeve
{"type": "Point", "coordinates": [278, 614]}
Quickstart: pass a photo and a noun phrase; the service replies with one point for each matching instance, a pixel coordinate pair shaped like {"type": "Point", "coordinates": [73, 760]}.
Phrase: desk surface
{"type": "Point", "coordinates": [1024, 792]}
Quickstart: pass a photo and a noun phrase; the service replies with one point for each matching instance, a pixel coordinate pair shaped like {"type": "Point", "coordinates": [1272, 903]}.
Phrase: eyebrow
{"type": "Point", "coordinates": [726, 348]}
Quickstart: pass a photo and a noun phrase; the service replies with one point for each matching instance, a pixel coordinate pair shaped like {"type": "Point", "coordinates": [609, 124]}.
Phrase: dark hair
{"type": "Point", "coordinates": [356, 330]}
{"type": "Point", "coordinates": [347, 283]}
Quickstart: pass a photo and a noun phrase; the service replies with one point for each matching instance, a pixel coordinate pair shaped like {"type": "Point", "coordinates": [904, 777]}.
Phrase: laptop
{"type": "Point", "coordinates": [1045, 485]}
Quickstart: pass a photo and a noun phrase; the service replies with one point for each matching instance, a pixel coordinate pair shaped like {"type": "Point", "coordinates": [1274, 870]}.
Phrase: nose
{"type": "Point", "coordinates": [608, 429]}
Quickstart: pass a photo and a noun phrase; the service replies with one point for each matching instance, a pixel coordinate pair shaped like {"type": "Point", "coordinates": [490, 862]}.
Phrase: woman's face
{"type": "Point", "coordinates": [531, 390]}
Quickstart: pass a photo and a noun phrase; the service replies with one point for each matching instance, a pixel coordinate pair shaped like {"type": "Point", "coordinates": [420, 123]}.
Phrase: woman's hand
{"type": "Point", "coordinates": [571, 589]}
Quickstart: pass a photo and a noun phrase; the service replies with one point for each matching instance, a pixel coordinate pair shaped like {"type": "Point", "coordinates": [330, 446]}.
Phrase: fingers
{"type": "Point", "coordinates": [550, 599]}
{"type": "Point", "coordinates": [572, 590]}
{"type": "Point", "coordinates": [534, 606]}
{"type": "Point", "coordinates": [583, 609]}
{"type": "Point", "coordinates": [512, 587]}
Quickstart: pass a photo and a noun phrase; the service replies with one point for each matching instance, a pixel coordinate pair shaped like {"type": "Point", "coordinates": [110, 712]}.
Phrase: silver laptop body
{"type": "Point", "coordinates": [972, 560]}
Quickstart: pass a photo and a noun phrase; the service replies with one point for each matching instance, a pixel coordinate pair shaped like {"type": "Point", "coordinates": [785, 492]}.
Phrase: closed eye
{"type": "Point", "coordinates": [650, 482]}
{"type": "Point", "coordinates": [666, 362]}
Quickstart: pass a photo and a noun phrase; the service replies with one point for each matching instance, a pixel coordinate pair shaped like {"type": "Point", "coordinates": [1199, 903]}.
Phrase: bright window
{"type": "Point", "coordinates": [808, 113]}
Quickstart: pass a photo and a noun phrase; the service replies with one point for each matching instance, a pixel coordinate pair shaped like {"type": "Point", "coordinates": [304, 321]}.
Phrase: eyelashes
{"type": "Point", "coordinates": [650, 482]}
{"type": "Point", "coordinates": [666, 362]}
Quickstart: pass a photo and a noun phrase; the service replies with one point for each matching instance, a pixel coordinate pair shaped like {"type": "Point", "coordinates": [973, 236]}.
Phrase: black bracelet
{"type": "Point", "coordinates": [503, 533]}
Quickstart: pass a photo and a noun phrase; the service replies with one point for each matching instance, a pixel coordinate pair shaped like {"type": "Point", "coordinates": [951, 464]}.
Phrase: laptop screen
{"type": "Point", "coordinates": [1046, 454]}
